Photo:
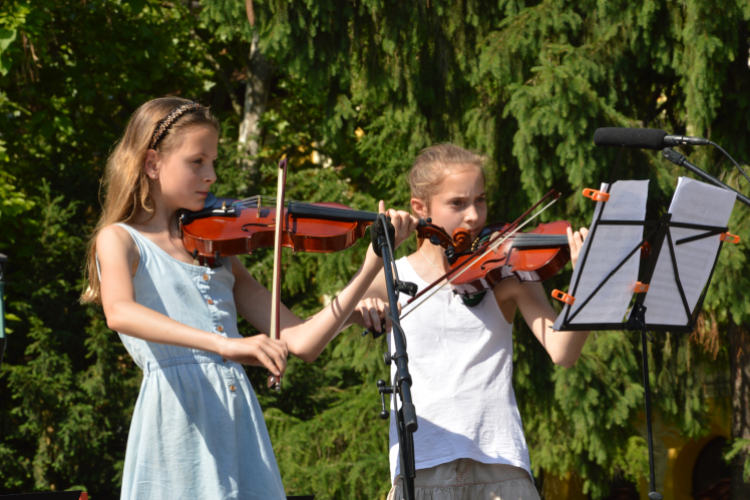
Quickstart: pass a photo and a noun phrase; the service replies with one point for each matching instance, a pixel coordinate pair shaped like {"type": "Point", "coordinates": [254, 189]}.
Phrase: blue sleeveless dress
{"type": "Point", "coordinates": [198, 431]}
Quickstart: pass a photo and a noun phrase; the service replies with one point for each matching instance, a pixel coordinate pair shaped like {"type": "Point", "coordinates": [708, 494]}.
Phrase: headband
{"type": "Point", "coordinates": [163, 125]}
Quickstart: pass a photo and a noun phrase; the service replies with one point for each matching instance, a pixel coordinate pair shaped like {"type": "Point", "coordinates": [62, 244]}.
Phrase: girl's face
{"type": "Point", "coordinates": [184, 175]}
{"type": "Point", "coordinates": [458, 203]}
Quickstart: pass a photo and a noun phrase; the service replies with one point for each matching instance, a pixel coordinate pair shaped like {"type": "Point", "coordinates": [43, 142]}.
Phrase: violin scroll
{"type": "Point", "coordinates": [461, 240]}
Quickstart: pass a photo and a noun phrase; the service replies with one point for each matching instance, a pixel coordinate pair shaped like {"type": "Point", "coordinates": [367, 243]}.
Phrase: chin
{"type": "Point", "coordinates": [195, 206]}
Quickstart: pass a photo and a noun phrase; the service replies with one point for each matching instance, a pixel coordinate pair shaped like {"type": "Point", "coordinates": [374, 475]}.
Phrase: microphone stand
{"type": "Point", "coordinates": [681, 161]}
{"type": "Point", "coordinates": [382, 234]}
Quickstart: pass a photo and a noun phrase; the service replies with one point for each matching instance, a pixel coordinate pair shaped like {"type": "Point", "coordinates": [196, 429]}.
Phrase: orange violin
{"type": "Point", "coordinates": [536, 255]}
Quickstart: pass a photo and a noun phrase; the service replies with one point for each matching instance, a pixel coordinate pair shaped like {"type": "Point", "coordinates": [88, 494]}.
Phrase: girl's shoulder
{"type": "Point", "coordinates": [115, 241]}
{"type": "Point", "coordinates": [115, 235]}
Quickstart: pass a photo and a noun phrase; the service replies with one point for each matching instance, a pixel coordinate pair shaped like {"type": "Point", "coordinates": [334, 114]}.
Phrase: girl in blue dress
{"type": "Point", "coordinates": [197, 429]}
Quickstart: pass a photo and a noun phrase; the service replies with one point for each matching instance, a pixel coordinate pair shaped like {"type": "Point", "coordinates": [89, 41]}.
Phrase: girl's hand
{"type": "Point", "coordinates": [258, 350]}
{"type": "Point", "coordinates": [373, 310]}
{"type": "Point", "coordinates": [403, 222]}
{"type": "Point", "coordinates": [575, 240]}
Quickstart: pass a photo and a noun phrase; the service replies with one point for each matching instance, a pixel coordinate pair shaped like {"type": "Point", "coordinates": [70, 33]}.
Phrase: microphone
{"type": "Point", "coordinates": [645, 138]}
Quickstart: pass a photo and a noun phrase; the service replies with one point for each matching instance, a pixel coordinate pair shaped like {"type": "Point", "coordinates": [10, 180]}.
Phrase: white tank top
{"type": "Point", "coordinates": [461, 364]}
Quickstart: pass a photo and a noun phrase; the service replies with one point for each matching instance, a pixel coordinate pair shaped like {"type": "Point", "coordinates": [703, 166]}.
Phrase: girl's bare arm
{"type": "Point", "coordinates": [117, 253]}
{"type": "Point", "coordinates": [306, 339]}
{"type": "Point", "coordinates": [563, 347]}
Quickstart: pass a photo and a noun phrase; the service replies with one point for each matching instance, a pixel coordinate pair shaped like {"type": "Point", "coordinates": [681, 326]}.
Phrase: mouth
{"type": "Point", "coordinates": [202, 193]}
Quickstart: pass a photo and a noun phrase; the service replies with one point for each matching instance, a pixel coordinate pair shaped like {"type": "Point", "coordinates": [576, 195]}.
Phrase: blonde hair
{"type": "Point", "coordinates": [125, 184]}
{"type": "Point", "coordinates": [434, 164]}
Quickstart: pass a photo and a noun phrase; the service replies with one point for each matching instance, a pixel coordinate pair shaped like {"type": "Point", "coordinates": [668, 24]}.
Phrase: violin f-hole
{"type": "Point", "coordinates": [484, 264]}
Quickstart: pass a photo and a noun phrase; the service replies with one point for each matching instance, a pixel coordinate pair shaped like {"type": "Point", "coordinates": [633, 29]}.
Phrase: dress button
{"type": "Point", "coordinates": [232, 388]}
{"type": "Point", "coordinates": [210, 302]}
{"type": "Point", "coordinates": [220, 328]}
{"type": "Point", "coordinates": [223, 360]}
{"type": "Point", "coordinates": [205, 277]}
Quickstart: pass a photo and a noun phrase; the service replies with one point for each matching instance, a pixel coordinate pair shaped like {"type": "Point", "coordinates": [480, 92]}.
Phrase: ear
{"type": "Point", "coordinates": [151, 164]}
{"type": "Point", "coordinates": [420, 208]}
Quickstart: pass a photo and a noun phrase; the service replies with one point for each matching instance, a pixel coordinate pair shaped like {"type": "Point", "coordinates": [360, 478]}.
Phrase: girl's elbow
{"type": "Point", "coordinates": [114, 323]}
{"type": "Point", "coordinates": [115, 318]}
{"type": "Point", "coordinates": [308, 357]}
{"type": "Point", "coordinates": [304, 352]}
{"type": "Point", "coordinates": [566, 360]}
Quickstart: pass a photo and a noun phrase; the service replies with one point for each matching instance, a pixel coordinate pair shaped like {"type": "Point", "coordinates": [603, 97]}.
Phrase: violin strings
{"type": "Point", "coordinates": [307, 209]}
{"type": "Point", "coordinates": [492, 245]}
{"type": "Point", "coordinates": [252, 202]}
{"type": "Point", "coordinates": [538, 240]}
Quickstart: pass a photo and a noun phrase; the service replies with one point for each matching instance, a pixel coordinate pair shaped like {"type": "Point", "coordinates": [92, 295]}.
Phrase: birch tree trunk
{"type": "Point", "coordinates": [256, 97]}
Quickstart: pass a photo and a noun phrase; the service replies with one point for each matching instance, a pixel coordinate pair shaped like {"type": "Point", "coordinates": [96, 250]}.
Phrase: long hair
{"type": "Point", "coordinates": [434, 164]}
{"type": "Point", "coordinates": [126, 188]}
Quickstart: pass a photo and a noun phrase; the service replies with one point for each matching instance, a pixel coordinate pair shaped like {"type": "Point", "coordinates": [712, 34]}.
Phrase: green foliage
{"type": "Point", "coordinates": [525, 82]}
{"type": "Point", "coordinates": [738, 446]}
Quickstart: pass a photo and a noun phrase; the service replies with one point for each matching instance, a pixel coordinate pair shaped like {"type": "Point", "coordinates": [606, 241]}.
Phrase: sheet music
{"type": "Point", "coordinates": [694, 202]}
{"type": "Point", "coordinates": [611, 245]}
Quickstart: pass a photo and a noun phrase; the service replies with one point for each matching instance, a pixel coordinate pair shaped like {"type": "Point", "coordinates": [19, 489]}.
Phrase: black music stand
{"type": "Point", "coordinates": [657, 234]}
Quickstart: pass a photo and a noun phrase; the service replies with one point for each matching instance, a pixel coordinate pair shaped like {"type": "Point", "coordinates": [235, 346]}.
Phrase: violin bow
{"type": "Point", "coordinates": [275, 332]}
{"type": "Point", "coordinates": [480, 252]}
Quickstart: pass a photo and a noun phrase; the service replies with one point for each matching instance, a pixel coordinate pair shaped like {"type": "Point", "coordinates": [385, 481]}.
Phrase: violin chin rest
{"type": "Point", "coordinates": [211, 201]}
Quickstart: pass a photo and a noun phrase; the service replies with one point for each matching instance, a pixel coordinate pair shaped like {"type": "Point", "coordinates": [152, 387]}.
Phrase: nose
{"type": "Point", "coordinates": [209, 176]}
{"type": "Point", "coordinates": [471, 215]}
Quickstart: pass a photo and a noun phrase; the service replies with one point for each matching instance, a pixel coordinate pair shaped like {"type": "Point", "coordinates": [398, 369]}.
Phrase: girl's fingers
{"type": "Point", "coordinates": [373, 311]}
{"type": "Point", "coordinates": [575, 241]}
{"type": "Point", "coordinates": [404, 223]}
{"type": "Point", "coordinates": [280, 346]}
{"type": "Point", "coordinates": [278, 355]}
{"type": "Point", "coordinates": [372, 317]}
{"type": "Point", "coordinates": [260, 350]}
{"type": "Point", "coordinates": [365, 316]}
{"type": "Point", "coordinates": [264, 360]}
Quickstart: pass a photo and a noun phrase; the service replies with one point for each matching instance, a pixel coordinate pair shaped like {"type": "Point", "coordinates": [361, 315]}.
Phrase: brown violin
{"type": "Point", "coordinates": [499, 252]}
{"type": "Point", "coordinates": [536, 255]}
{"type": "Point", "coordinates": [232, 227]}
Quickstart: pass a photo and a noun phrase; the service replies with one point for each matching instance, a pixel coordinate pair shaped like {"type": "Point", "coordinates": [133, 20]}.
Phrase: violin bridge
{"type": "Point", "coordinates": [258, 207]}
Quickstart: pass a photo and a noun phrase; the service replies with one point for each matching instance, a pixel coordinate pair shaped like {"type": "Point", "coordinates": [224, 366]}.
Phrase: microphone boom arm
{"type": "Point", "coordinates": [681, 161]}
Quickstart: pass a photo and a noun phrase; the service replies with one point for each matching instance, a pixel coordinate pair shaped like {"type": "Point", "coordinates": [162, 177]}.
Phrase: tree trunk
{"type": "Point", "coordinates": [256, 96]}
{"type": "Point", "coordinates": [739, 353]}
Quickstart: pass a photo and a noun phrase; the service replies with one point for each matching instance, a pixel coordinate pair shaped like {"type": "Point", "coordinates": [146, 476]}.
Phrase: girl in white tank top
{"type": "Point", "coordinates": [470, 441]}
